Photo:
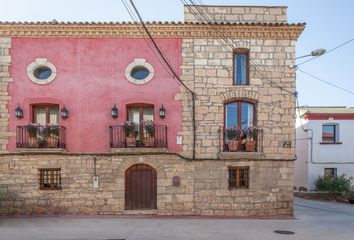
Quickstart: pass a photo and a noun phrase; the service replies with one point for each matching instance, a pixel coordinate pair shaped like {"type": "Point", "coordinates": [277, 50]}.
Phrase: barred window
{"type": "Point", "coordinates": [238, 177]}
{"type": "Point", "coordinates": [50, 179]}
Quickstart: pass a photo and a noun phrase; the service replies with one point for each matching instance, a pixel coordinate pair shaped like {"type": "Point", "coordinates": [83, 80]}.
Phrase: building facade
{"type": "Point", "coordinates": [94, 122]}
{"type": "Point", "coordinates": [323, 146]}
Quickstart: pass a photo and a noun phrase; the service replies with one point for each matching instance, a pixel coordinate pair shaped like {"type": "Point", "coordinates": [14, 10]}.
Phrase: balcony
{"type": "Point", "coordinates": [242, 145]}
{"type": "Point", "coordinates": [35, 136]}
{"type": "Point", "coordinates": [140, 137]}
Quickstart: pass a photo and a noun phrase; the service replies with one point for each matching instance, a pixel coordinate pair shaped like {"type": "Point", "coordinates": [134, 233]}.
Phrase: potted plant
{"type": "Point", "coordinates": [51, 134]}
{"type": "Point", "coordinates": [32, 129]}
{"type": "Point", "coordinates": [249, 138]}
{"type": "Point", "coordinates": [130, 132]}
{"type": "Point", "coordinates": [149, 129]}
{"type": "Point", "coordinates": [232, 137]}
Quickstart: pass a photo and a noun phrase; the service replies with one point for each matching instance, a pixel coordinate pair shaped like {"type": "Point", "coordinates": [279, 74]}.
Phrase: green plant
{"type": "Point", "coordinates": [129, 128]}
{"type": "Point", "coordinates": [32, 129]}
{"type": "Point", "coordinates": [149, 128]}
{"type": "Point", "coordinates": [334, 184]}
{"type": "Point", "coordinates": [233, 133]}
{"type": "Point", "coordinates": [51, 131]}
{"type": "Point", "coordinates": [250, 133]}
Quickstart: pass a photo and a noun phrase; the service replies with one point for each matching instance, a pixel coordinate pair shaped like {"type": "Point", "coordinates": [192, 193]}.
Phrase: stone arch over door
{"type": "Point", "coordinates": [140, 187]}
{"type": "Point", "coordinates": [127, 163]}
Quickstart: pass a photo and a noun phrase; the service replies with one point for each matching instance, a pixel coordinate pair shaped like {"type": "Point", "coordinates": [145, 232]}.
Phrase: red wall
{"type": "Point", "coordinates": [90, 79]}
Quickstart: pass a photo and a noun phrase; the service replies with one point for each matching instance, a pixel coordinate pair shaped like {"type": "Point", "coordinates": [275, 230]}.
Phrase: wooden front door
{"type": "Point", "coordinates": [140, 187]}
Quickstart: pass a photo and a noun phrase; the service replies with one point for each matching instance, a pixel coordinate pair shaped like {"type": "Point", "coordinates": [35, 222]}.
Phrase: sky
{"type": "Point", "coordinates": [328, 24]}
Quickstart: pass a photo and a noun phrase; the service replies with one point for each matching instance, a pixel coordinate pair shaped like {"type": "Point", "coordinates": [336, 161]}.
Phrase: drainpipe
{"type": "Point", "coordinates": [311, 144]}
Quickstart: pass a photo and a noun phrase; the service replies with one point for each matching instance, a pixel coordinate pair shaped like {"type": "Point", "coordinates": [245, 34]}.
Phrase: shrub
{"type": "Point", "coordinates": [333, 184]}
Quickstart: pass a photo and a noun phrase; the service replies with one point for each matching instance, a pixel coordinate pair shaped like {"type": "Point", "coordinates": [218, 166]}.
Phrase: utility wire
{"type": "Point", "coordinates": [173, 72]}
{"type": "Point", "coordinates": [157, 47]}
{"type": "Point", "coordinates": [331, 50]}
{"type": "Point", "coordinates": [225, 37]}
{"type": "Point", "coordinates": [326, 82]}
{"type": "Point", "coordinates": [298, 110]}
{"type": "Point", "coordinates": [134, 18]}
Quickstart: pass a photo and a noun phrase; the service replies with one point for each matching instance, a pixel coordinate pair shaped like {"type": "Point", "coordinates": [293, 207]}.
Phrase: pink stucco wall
{"type": "Point", "coordinates": [90, 79]}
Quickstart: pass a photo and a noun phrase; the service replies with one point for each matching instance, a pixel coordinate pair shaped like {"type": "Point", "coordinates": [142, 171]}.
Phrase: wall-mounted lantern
{"type": "Point", "coordinates": [64, 113]}
{"type": "Point", "coordinates": [114, 111]}
{"type": "Point", "coordinates": [19, 112]}
{"type": "Point", "coordinates": [162, 112]}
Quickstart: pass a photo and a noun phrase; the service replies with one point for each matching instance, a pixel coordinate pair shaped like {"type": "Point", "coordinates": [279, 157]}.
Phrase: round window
{"type": "Point", "coordinates": [139, 72]}
{"type": "Point", "coordinates": [42, 72]}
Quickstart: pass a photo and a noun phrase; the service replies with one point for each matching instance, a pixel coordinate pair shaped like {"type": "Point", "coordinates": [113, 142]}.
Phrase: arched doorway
{"type": "Point", "coordinates": [140, 187]}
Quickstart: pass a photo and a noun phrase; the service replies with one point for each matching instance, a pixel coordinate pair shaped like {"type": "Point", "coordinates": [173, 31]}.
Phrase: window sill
{"type": "Point", "coordinates": [242, 155]}
{"type": "Point", "coordinates": [331, 143]}
{"type": "Point", "coordinates": [138, 150]}
{"type": "Point", "coordinates": [41, 150]}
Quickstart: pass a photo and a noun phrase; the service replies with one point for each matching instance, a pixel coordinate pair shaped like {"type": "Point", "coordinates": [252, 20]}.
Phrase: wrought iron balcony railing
{"type": "Point", "coordinates": [39, 136]}
{"type": "Point", "coordinates": [139, 136]}
{"type": "Point", "coordinates": [242, 143]}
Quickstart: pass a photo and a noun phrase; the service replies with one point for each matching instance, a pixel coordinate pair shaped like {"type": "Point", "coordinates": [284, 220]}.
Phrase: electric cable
{"type": "Point", "coordinates": [331, 50]}
{"type": "Point", "coordinates": [326, 82]}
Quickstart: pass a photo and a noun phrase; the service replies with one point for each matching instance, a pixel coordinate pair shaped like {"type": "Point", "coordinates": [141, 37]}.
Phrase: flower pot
{"type": "Point", "coordinates": [52, 142]}
{"type": "Point", "coordinates": [131, 141]}
{"type": "Point", "coordinates": [250, 146]}
{"type": "Point", "coordinates": [33, 142]}
{"type": "Point", "coordinates": [149, 141]}
{"type": "Point", "coordinates": [233, 145]}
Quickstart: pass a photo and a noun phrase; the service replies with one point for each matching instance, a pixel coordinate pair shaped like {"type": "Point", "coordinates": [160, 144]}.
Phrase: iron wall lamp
{"type": "Point", "coordinates": [162, 112]}
{"type": "Point", "coordinates": [64, 113]}
{"type": "Point", "coordinates": [114, 111]}
{"type": "Point", "coordinates": [19, 112]}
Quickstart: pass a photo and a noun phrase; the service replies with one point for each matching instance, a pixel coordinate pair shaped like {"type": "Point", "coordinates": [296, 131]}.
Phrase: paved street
{"type": "Point", "coordinates": [314, 220]}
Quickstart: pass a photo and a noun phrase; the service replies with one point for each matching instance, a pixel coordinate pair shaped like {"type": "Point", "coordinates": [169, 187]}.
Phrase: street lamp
{"type": "Point", "coordinates": [315, 53]}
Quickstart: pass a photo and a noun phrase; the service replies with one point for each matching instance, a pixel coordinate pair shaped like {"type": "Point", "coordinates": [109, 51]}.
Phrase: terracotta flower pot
{"type": "Point", "coordinates": [250, 146]}
{"type": "Point", "coordinates": [52, 142]}
{"type": "Point", "coordinates": [149, 141]}
{"type": "Point", "coordinates": [233, 145]}
{"type": "Point", "coordinates": [33, 142]}
{"type": "Point", "coordinates": [131, 141]}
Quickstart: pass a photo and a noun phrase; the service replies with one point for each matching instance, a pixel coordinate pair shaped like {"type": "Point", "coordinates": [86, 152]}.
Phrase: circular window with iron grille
{"type": "Point", "coordinates": [41, 71]}
{"type": "Point", "coordinates": [139, 71]}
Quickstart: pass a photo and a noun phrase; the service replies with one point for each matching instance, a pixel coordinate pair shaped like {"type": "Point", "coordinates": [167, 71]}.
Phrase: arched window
{"type": "Point", "coordinates": [240, 132]}
{"type": "Point", "coordinates": [239, 114]}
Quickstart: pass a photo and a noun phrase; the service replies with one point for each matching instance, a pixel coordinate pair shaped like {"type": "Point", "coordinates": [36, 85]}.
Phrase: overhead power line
{"type": "Point", "coordinates": [170, 67]}
{"type": "Point", "coordinates": [224, 38]}
{"type": "Point", "coordinates": [331, 50]}
{"type": "Point", "coordinates": [158, 57]}
{"type": "Point", "coordinates": [326, 82]}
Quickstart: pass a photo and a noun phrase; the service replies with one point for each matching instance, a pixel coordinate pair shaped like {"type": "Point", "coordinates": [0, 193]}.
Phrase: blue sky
{"type": "Point", "coordinates": [329, 24]}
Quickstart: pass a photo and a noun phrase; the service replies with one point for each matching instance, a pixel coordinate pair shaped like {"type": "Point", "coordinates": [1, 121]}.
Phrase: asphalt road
{"type": "Point", "coordinates": [313, 220]}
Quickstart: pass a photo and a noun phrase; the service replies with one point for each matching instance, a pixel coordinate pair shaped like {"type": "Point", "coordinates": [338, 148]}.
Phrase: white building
{"type": "Point", "coordinates": [324, 144]}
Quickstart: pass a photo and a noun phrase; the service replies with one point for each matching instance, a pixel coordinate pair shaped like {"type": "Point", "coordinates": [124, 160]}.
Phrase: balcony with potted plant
{"type": "Point", "coordinates": [42, 137]}
{"type": "Point", "coordinates": [138, 137]}
{"type": "Point", "coordinates": [242, 143]}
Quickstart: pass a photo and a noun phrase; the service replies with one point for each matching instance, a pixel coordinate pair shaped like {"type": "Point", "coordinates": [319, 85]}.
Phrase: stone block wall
{"type": "Point", "coordinates": [207, 68]}
{"type": "Point", "coordinates": [193, 13]}
{"type": "Point", "coordinates": [5, 62]}
{"type": "Point", "coordinates": [203, 189]}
